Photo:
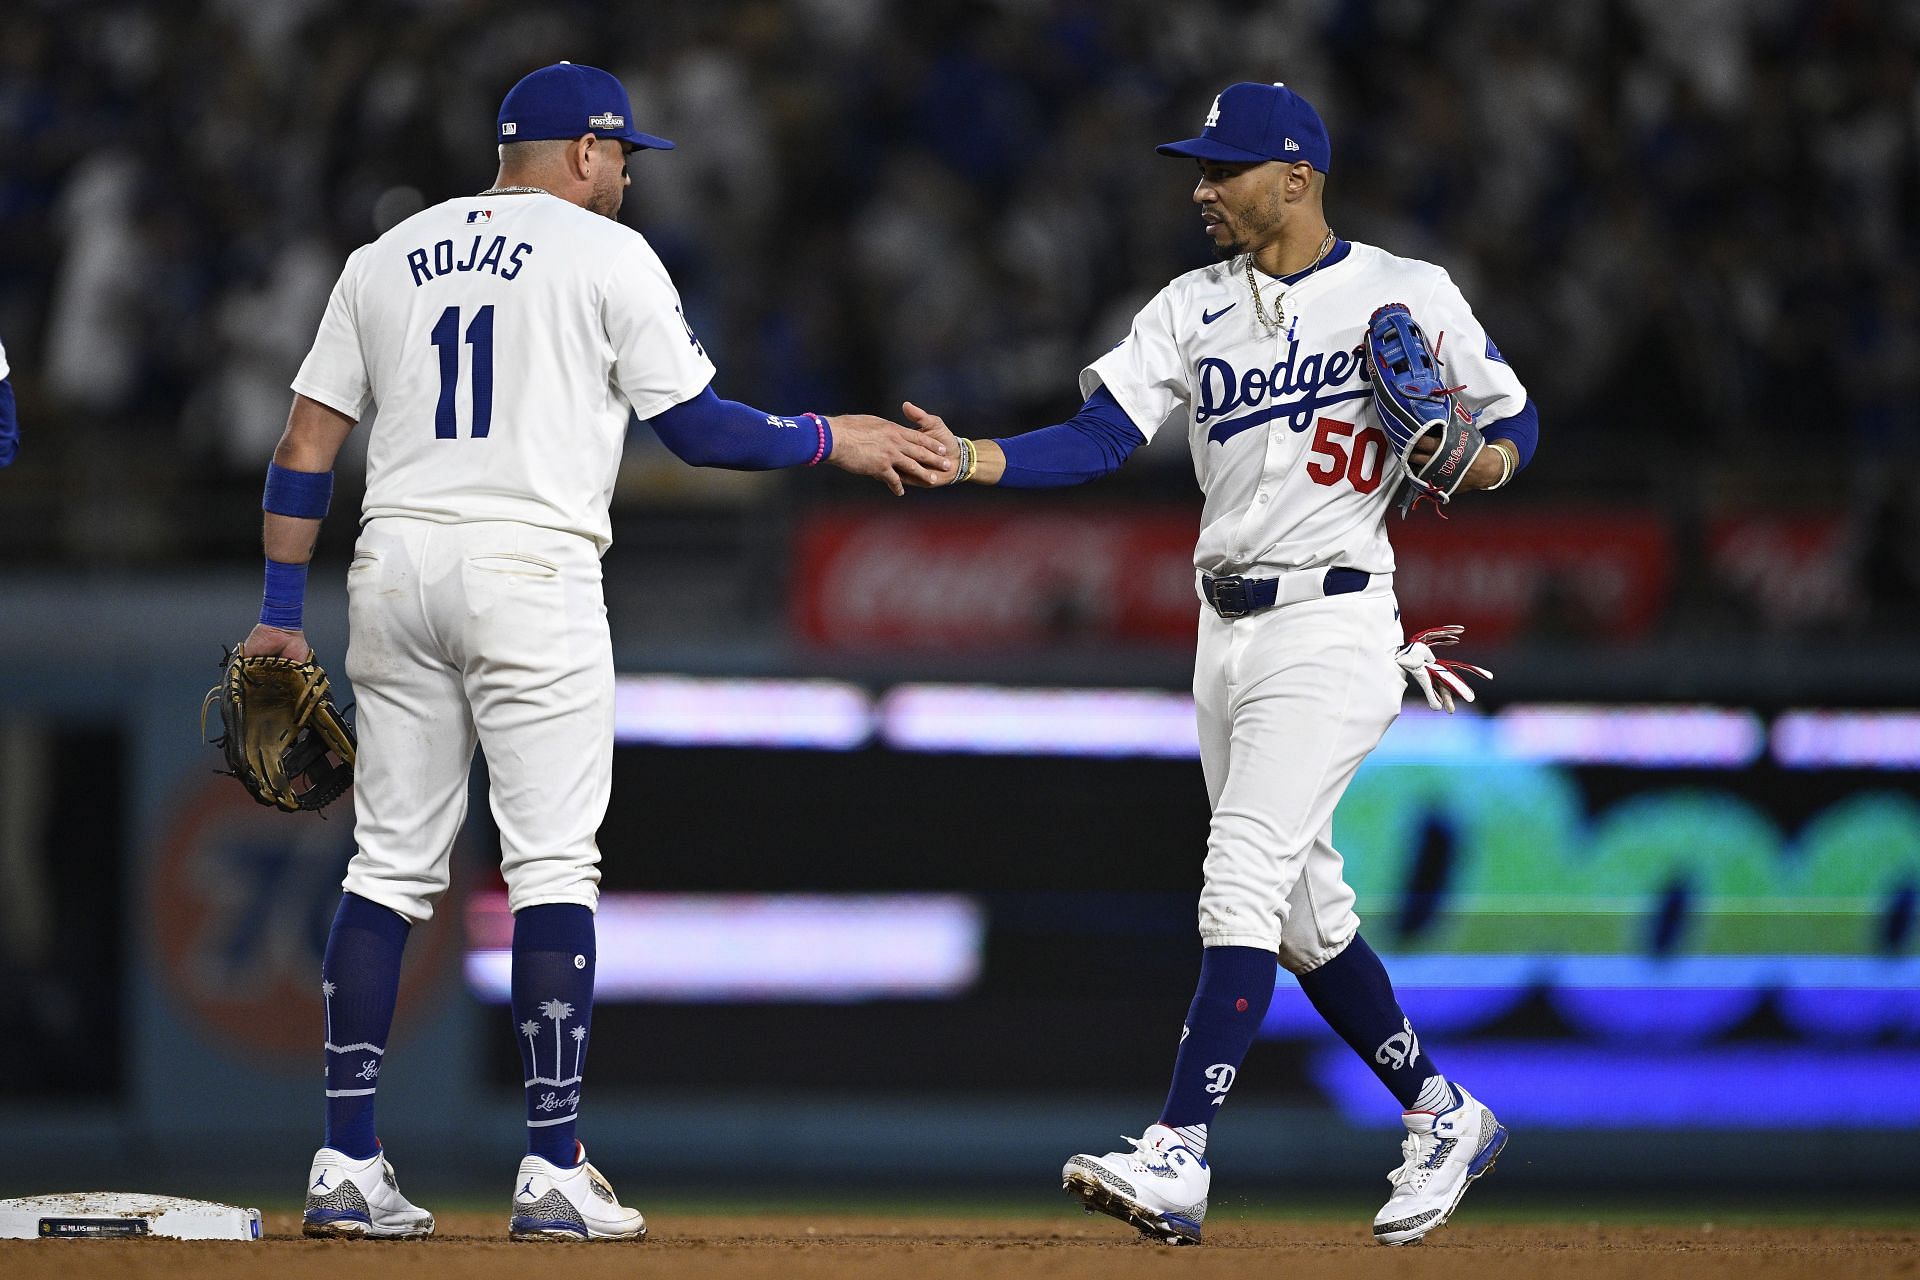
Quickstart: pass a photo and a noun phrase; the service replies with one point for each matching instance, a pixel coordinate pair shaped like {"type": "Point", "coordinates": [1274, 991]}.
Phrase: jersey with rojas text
{"type": "Point", "coordinates": [503, 340]}
{"type": "Point", "coordinates": [1288, 450]}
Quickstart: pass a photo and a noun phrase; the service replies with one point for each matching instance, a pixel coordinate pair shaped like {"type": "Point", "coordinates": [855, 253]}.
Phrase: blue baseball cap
{"type": "Point", "coordinates": [570, 100]}
{"type": "Point", "coordinates": [1251, 122]}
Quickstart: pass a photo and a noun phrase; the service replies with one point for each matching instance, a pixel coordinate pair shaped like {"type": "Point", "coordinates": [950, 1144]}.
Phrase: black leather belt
{"type": "Point", "coordinates": [1235, 596]}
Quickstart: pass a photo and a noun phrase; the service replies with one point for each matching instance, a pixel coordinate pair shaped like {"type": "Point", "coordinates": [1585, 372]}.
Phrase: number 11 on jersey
{"type": "Point", "coordinates": [446, 337]}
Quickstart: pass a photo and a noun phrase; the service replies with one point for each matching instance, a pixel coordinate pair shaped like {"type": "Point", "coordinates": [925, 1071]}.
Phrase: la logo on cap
{"type": "Point", "coordinates": [1213, 116]}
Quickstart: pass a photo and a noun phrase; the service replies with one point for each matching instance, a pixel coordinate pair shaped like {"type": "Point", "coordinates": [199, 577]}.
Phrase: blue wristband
{"type": "Point", "coordinates": [285, 595]}
{"type": "Point", "coordinates": [304, 495]}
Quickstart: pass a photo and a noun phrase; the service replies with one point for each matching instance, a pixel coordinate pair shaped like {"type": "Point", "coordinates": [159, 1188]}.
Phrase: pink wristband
{"type": "Point", "coordinates": [826, 439]}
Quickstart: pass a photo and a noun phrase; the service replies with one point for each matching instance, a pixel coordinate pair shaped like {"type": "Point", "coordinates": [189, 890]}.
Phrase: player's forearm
{"type": "Point", "coordinates": [298, 493]}
{"type": "Point", "coordinates": [1521, 433]}
{"type": "Point", "coordinates": [1091, 444]}
{"type": "Point", "coordinates": [707, 431]}
{"type": "Point", "coordinates": [990, 462]}
{"type": "Point", "coordinates": [288, 542]}
{"type": "Point", "coordinates": [288, 539]}
{"type": "Point", "coordinates": [9, 424]}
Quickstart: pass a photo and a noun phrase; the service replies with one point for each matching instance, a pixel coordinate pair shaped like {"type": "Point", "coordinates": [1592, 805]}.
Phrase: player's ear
{"type": "Point", "coordinates": [577, 154]}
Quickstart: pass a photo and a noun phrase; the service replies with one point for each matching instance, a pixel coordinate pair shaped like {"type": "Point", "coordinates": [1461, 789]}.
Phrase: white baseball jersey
{"type": "Point", "coordinates": [503, 340]}
{"type": "Point", "coordinates": [1286, 445]}
{"type": "Point", "coordinates": [4, 370]}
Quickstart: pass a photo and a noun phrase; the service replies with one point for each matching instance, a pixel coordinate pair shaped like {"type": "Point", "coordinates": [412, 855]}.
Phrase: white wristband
{"type": "Point", "coordinates": [1508, 464]}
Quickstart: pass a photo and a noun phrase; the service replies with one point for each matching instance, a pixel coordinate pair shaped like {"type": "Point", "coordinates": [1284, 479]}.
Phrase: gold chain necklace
{"type": "Point", "coordinates": [1279, 322]}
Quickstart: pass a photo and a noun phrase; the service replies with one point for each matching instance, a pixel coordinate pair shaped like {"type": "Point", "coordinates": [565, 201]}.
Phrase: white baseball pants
{"type": "Point", "coordinates": [1290, 701]}
{"type": "Point", "coordinates": [493, 633]}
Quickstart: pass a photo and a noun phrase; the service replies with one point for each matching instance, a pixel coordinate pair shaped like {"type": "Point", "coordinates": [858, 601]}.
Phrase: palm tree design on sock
{"type": "Point", "coordinates": [530, 1029]}
{"type": "Point", "coordinates": [559, 1011]}
{"type": "Point", "coordinates": [326, 996]}
{"type": "Point", "coordinates": [579, 1034]}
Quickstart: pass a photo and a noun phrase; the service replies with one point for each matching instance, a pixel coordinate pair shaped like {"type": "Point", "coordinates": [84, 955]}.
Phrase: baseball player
{"type": "Point", "coordinates": [505, 338]}
{"type": "Point", "coordinates": [9, 421]}
{"type": "Point", "coordinates": [1300, 661]}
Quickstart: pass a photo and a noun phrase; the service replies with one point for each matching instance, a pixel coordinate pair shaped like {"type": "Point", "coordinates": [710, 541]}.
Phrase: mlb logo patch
{"type": "Point", "coordinates": [480, 215]}
{"type": "Point", "coordinates": [508, 129]}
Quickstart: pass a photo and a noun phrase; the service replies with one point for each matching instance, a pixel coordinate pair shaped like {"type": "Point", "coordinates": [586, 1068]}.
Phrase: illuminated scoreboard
{"type": "Point", "coordinates": [809, 884]}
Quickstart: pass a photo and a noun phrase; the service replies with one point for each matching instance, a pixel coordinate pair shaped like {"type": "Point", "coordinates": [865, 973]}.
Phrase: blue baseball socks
{"type": "Point", "coordinates": [359, 982]}
{"type": "Point", "coordinates": [553, 957]}
{"type": "Point", "coordinates": [1353, 993]}
{"type": "Point", "coordinates": [1236, 986]}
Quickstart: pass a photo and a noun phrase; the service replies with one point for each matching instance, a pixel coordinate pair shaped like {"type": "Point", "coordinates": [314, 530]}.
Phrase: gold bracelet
{"type": "Point", "coordinates": [969, 461]}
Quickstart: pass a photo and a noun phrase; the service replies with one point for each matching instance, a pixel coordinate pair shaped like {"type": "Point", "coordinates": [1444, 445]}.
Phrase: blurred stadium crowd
{"type": "Point", "coordinates": [1690, 224]}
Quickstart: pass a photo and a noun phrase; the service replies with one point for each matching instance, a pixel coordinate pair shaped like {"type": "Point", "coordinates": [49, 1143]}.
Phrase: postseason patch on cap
{"type": "Point", "coordinates": [606, 120]}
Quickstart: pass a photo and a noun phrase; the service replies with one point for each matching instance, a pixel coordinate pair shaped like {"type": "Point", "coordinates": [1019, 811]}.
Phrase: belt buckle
{"type": "Point", "coordinates": [1228, 596]}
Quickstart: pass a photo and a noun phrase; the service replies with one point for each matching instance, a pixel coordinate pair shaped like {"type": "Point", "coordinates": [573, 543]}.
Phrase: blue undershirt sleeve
{"type": "Point", "coordinates": [707, 431]}
{"type": "Point", "coordinates": [1523, 428]}
{"type": "Point", "coordinates": [1091, 444]}
{"type": "Point", "coordinates": [9, 423]}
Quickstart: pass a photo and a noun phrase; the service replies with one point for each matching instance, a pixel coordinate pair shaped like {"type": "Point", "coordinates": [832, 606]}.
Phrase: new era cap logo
{"type": "Point", "coordinates": [1292, 145]}
{"type": "Point", "coordinates": [606, 120]}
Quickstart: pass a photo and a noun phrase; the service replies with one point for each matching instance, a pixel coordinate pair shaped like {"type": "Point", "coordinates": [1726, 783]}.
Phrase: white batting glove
{"type": "Point", "coordinates": [1434, 676]}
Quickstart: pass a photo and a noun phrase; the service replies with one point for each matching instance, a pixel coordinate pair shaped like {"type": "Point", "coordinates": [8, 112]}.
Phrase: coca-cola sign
{"type": "Point", "coordinates": [1013, 579]}
{"type": "Point", "coordinates": [1021, 578]}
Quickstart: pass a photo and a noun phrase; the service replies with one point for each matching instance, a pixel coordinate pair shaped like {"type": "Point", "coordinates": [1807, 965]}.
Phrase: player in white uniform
{"type": "Point", "coordinates": [1296, 675]}
{"type": "Point", "coordinates": [504, 338]}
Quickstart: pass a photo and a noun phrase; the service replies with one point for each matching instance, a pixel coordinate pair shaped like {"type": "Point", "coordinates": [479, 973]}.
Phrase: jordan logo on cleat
{"type": "Point", "coordinates": [320, 1183]}
{"type": "Point", "coordinates": [527, 1190]}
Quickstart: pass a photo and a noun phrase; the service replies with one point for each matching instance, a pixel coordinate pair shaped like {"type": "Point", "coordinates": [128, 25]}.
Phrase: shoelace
{"type": "Point", "coordinates": [1414, 1151]}
{"type": "Point", "coordinates": [1147, 1153]}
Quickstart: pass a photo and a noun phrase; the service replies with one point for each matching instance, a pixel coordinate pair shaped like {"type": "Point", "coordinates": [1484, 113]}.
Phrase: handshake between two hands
{"type": "Point", "coordinates": [925, 455]}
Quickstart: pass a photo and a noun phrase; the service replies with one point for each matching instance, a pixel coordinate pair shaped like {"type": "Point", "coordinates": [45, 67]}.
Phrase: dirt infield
{"type": "Point", "coordinates": [472, 1246]}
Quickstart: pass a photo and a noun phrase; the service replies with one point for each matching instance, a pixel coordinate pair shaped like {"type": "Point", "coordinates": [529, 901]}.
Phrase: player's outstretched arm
{"type": "Point", "coordinates": [706, 431]}
{"type": "Point", "coordinates": [9, 423]}
{"type": "Point", "coordinates": [1091, 444]}
{"type": "Point", "coordinates": [299, 490]}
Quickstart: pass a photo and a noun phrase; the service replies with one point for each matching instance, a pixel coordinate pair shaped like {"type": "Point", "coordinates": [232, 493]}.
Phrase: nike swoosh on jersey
{"type": "Point", "coordinates": [1208, 317]}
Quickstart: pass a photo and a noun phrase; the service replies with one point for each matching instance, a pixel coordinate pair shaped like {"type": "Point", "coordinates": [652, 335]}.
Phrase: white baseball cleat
{"type": "Point", "coordinates": [360, 1199]}
{"type": "Point", "coordinates": [551, 1203]}
{"type": "Point", "coordinates": [1444, 1153]}
{"type": "Point", "coordinates": [1160, 1186]}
